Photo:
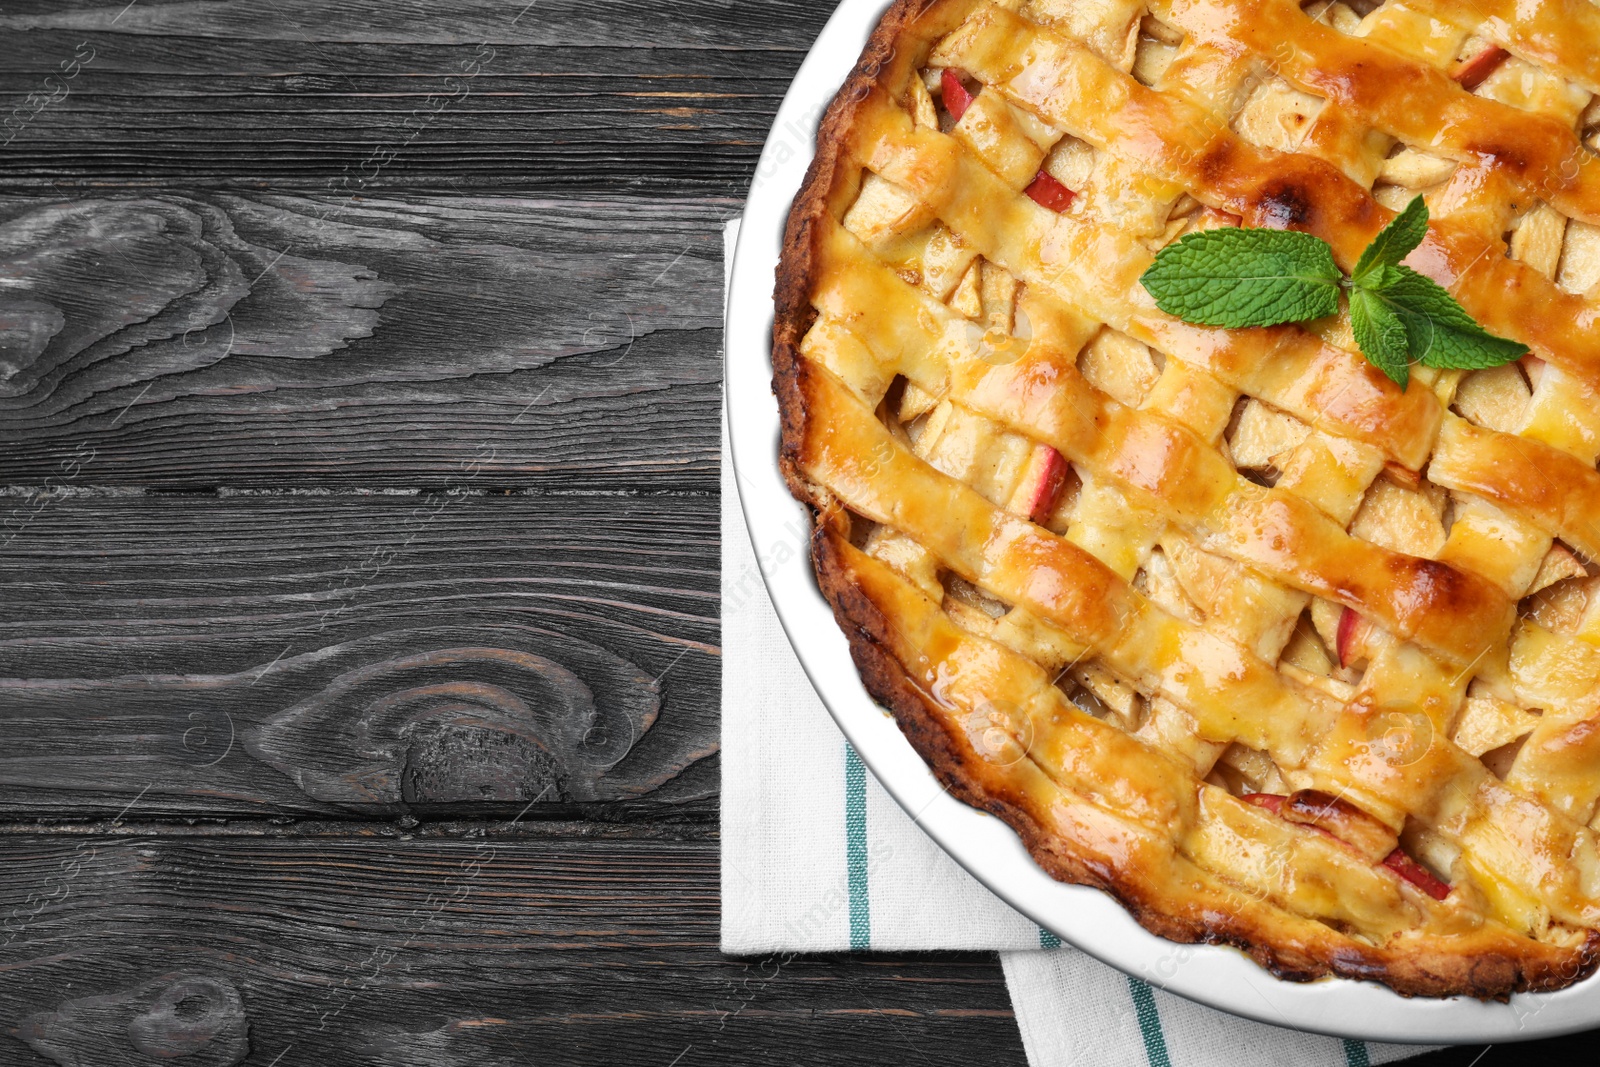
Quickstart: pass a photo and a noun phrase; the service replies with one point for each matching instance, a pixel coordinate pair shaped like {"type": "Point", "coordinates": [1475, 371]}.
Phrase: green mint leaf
{"type": "Point", "coordinates": [1393, 243]}
{"type": "Point", "coordinates": [1384, 276]}
{"type": "Point", "coordinates": [1236, 277]}
{"type": "Point", "coordinates": [1439, 332]}
{"type": "Point", "coordinates": [1381, 335]}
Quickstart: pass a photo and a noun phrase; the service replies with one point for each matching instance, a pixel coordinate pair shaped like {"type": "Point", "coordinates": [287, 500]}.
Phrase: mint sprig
{"type": "Point", "coordinates": [1380, 334]}
{"type": "Point", "coordinates": [1233, 277]}
{"type": "Point", "coordinates": [1394, 242]}
{"type": "Point", "coordinates": [1236, 278]}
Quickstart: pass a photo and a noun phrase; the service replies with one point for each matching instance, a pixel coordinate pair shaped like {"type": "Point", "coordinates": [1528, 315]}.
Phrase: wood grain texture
{"type": "Point", "coordinates": [358, 656]}
{"type": "Point", "coordinates": [398, 748]}
{"type": "Point", "coordinates": [370, 95]}
{"type": "Point", "coordinates": [503, 949]}
{"type": "Point", "coordinates": [178, 341]}
{"type": "Point", "coordinates": [193, 1017]}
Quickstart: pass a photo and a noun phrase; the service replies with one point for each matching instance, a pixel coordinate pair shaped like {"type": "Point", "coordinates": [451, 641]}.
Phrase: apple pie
{"type": "Point", "coordinates": [1223, 621]}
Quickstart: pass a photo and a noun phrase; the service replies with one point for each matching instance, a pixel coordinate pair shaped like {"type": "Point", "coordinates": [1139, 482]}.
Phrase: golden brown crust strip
{"type": "Point", "coordinates": [1279, 190]}
{"type": "Point", "coordinates": [1552, 33]}
{"type": "Point", "coordinates": [1556, 491]}
{"type": "Point", "coordinates": [1483, 962]}
{"type": "Point", "coordinates": [1414, 102]}
{"type": "Point", "coordinates": [1283, 536]}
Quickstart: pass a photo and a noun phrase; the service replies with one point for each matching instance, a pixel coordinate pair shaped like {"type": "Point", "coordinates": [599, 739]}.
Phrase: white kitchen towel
{"type": "Point", "coordinates": [816, 857]}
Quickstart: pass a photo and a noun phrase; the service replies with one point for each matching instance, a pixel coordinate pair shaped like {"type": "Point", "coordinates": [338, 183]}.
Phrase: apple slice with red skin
{"type": "Point", "coordinates": [953, 91]}
{"type": "Point", "coordinates": [1415, 873]}
{"type": "Point", "coordinates": [1352, 635]}
{"type": "Point", "coordinates": [1341, 819]}
{"type": "Point", "coordinates": [1472, 73]}
{"type": "Point", "coordinates": [1274, 803]}
{"type": "Point", "coordinates": [1397, 860]}
{"type": "Point", "coordinates": [1047, 192]}
{"type": "Point", "coordinates": [1042, 482]}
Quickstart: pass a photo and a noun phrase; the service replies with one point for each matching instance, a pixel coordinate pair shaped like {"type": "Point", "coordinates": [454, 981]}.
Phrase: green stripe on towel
{"type": "Point", "coordinates": [1355, 1054]}
{"type": "Point", "coordinates": [1047, 939]}
{"type": "Point", "coordinates": [855, 845]}
{"type": "Point", "coordinates": [1144, 1004]}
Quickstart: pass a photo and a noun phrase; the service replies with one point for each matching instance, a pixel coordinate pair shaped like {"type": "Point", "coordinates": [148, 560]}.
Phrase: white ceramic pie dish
{"type": "Point", "coordinates": [1216, 976]}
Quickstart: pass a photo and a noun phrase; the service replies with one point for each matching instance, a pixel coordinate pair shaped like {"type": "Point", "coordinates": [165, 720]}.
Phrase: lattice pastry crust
{"type": "Point", "coordinates": [1221, 621]}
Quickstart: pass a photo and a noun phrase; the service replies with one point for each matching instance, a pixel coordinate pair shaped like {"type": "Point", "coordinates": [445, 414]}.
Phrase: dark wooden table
{"type": "Point", "coordinates": [359, 665]}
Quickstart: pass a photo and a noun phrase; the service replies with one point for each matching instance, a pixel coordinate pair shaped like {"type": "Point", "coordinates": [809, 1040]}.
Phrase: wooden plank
{"type": "Point", "coordinates": [516, 945]}
{"type": "Point", "coordinates": [366, 656]}
{"type": "Point", "coordinates": [507, 948]}
{"type": "Point", "coordinates": [175, 341]}
{"type": "Point", "coordinates": [290, 94]}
